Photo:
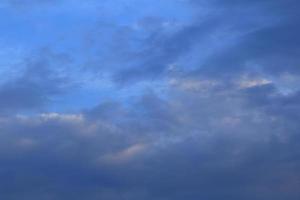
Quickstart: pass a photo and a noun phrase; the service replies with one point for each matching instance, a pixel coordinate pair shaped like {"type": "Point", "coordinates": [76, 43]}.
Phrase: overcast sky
{"type": "Point", "coordinates": [149, 99]}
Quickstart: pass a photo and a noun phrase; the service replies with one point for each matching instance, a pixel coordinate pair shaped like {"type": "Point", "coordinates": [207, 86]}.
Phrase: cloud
{"type": "Point", "coordinates": [41, 80]}
{"type": "Point", "coordinates": [124, 155]}
{"type": "Point", "coordinates": [211, 108]}
{"type": "Point", "coordinates": [224, 39]}
{"type": "Point", "coordinates": [192, 146]}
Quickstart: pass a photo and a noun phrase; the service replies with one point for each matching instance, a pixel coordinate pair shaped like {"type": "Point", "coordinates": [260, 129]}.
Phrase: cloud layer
{"type": "Point", "coordinates": [179, 99]}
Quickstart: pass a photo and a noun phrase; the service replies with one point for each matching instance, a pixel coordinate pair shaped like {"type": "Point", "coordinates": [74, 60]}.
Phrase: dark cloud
{"type": "Point", "coordinates": [219, 118]}
{"type": "Point", "coordinates": [266, 39]}
{"type": "Point", "coordinates": [37, 83]}
{"type": "Point", "coordinates": [193, 146]}
{"type": "Point", "coordinates": [162, 50]}
{"type": "Point", "coordinates": [224, 38]}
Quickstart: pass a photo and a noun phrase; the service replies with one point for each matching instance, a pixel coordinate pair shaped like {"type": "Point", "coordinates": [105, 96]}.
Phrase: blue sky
{"type": "Point", "coordinates": [142, 99]}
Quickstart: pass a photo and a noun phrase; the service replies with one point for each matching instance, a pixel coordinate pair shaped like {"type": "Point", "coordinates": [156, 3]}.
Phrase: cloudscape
{"type": "Point", "coordinates": [149, 100]}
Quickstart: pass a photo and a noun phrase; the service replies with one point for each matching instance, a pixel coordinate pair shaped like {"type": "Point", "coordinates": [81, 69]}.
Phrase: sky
{"type": "Point", "coordinates": [149, 100]}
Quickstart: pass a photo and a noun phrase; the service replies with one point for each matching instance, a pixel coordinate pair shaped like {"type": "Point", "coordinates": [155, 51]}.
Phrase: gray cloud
{"type": "Point", "coordinates": [191, 146]}
{"type": "Point", "coordinates": [226, 38]}
{"type": "Point", "coordinates": [37, 83]}
{"type": "Point", "coordinates": [224, 125]}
